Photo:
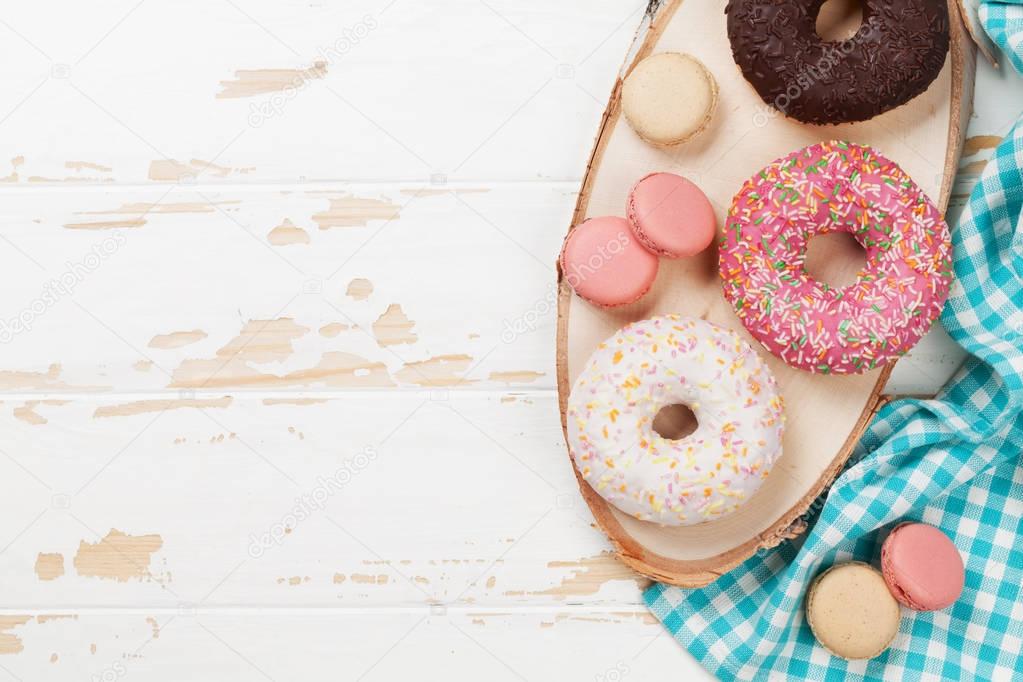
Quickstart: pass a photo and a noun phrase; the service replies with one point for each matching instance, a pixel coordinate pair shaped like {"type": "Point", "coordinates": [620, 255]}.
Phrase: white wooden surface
{"type": "Point", "coordinates": [279, 255]}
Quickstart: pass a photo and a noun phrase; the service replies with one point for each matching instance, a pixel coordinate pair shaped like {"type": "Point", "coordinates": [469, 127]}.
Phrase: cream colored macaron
{"type": "Point", "coordinates": [851, 612]}
{"type": "Point", "coordinates": [669, 98]}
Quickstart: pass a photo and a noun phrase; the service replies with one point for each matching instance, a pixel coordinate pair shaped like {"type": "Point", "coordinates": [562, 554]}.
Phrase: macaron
{"type": "Point", "coordinates": [671, 216]}
{"type": "Point", "coordinates": [669, 98]}
{"type": "Point", "coordinates": [922, 567]}
{"type": "Point", "coordinates": [851, 612]}
{"type": "Point", "coordinates": [605, 264]}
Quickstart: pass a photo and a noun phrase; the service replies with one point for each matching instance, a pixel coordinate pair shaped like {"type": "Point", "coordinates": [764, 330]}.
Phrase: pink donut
{"type": "Point", "coordinates": [835, 187]}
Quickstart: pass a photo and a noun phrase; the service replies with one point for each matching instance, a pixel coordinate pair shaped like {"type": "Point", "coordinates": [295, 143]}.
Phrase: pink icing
{"type": "Point", "coordinates": [604, 263]}
{"type": "Point", "coordinates": [835, 187]}
{"type": "Point", "coordinates": [671, 216]}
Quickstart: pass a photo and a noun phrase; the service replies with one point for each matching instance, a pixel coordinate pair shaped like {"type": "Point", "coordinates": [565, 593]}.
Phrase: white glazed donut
{"type": "Point", "coordinates": [673, 360]}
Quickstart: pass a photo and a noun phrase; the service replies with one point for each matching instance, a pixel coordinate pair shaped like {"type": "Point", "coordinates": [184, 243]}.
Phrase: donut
{"type": "Point", "coordinates": [835, 187]}
{"type": "Point", "coordinates": [675, 360]}
{"type": "Point", "coordinates": [898, 51]}
{"type": "Point", "coordinates": [671, 216]}
{"type": "Point", "coordinates": [605, 264]}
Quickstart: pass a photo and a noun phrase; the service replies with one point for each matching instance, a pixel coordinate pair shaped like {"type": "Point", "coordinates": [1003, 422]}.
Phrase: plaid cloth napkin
{"type": "Point", "coordinates": [953, 462]}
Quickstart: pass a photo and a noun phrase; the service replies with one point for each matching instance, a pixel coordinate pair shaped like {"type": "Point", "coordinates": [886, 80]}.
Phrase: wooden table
{"type": "Point", "coordinates": [276, 324]}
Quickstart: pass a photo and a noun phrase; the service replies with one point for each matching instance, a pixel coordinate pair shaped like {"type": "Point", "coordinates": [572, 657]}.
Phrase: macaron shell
{"type": "Point", "coordinates": [669, 98]}
{"type": "Point", "coordinates": [605, 264]}
{"type": "Point", "coordinates": [671, 216]}
{"type": "Point", "coordinates": [922, 567]}
{"type": "Point", "coordinates": [851, 612]}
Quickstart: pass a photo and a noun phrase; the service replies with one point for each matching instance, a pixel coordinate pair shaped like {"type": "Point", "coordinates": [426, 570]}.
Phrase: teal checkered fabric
{"type": "Point", "coordinates": [953, 462]}
{"type": "Point", "coordinates": [1003, 21]}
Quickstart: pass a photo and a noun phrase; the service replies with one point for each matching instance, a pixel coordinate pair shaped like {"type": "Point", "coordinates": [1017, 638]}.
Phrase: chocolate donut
{"type": "Point", "coordinates": [897, 52]}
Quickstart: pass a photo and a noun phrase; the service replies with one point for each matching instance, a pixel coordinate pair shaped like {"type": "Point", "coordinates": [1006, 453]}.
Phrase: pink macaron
{"type": "Point", "coordinates": [922, 567]}
{"type": "Point", "coordinates": [671, 216]}
{"type": "Point", "coordinates": [604, 263]}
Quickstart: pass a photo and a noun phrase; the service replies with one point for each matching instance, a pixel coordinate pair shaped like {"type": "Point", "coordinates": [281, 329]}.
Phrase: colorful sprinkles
{"type": "Point", "coordinates": [835, 187]}
{"type": "Point", "coordinates": [664, 361]}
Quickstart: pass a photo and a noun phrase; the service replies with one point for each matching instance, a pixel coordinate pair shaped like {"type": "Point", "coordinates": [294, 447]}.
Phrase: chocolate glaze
{"type": "Point", "coordinates": [897, 52]}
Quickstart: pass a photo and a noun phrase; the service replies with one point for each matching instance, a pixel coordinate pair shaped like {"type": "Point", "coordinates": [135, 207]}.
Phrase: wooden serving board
{"type": "Point", "coordinates": [825, 414]}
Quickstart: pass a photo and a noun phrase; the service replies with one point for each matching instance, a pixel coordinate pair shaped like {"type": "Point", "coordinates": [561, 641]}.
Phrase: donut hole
{"type": "Point", "coordinates": [839, 20]}
{"type": "Point", "coordinates": [675, 422]}
{"type": "Point", "coordinates": [835, 259]}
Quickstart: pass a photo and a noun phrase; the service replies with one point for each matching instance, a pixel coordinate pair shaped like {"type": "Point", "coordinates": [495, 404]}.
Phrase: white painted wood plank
{"type": "Point", "coordinates": [294, 91]}
{"type": "Point", "coordinates": [252, 289]}
{"type": "Point", "coordinates": [607, 646]}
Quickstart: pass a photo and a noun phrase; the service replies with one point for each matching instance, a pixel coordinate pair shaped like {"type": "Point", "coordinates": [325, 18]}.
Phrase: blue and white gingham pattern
{"type": "Point", "coordinates": [1003, 21]}
{"type": "Point", "coordinates": [953, 462]}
